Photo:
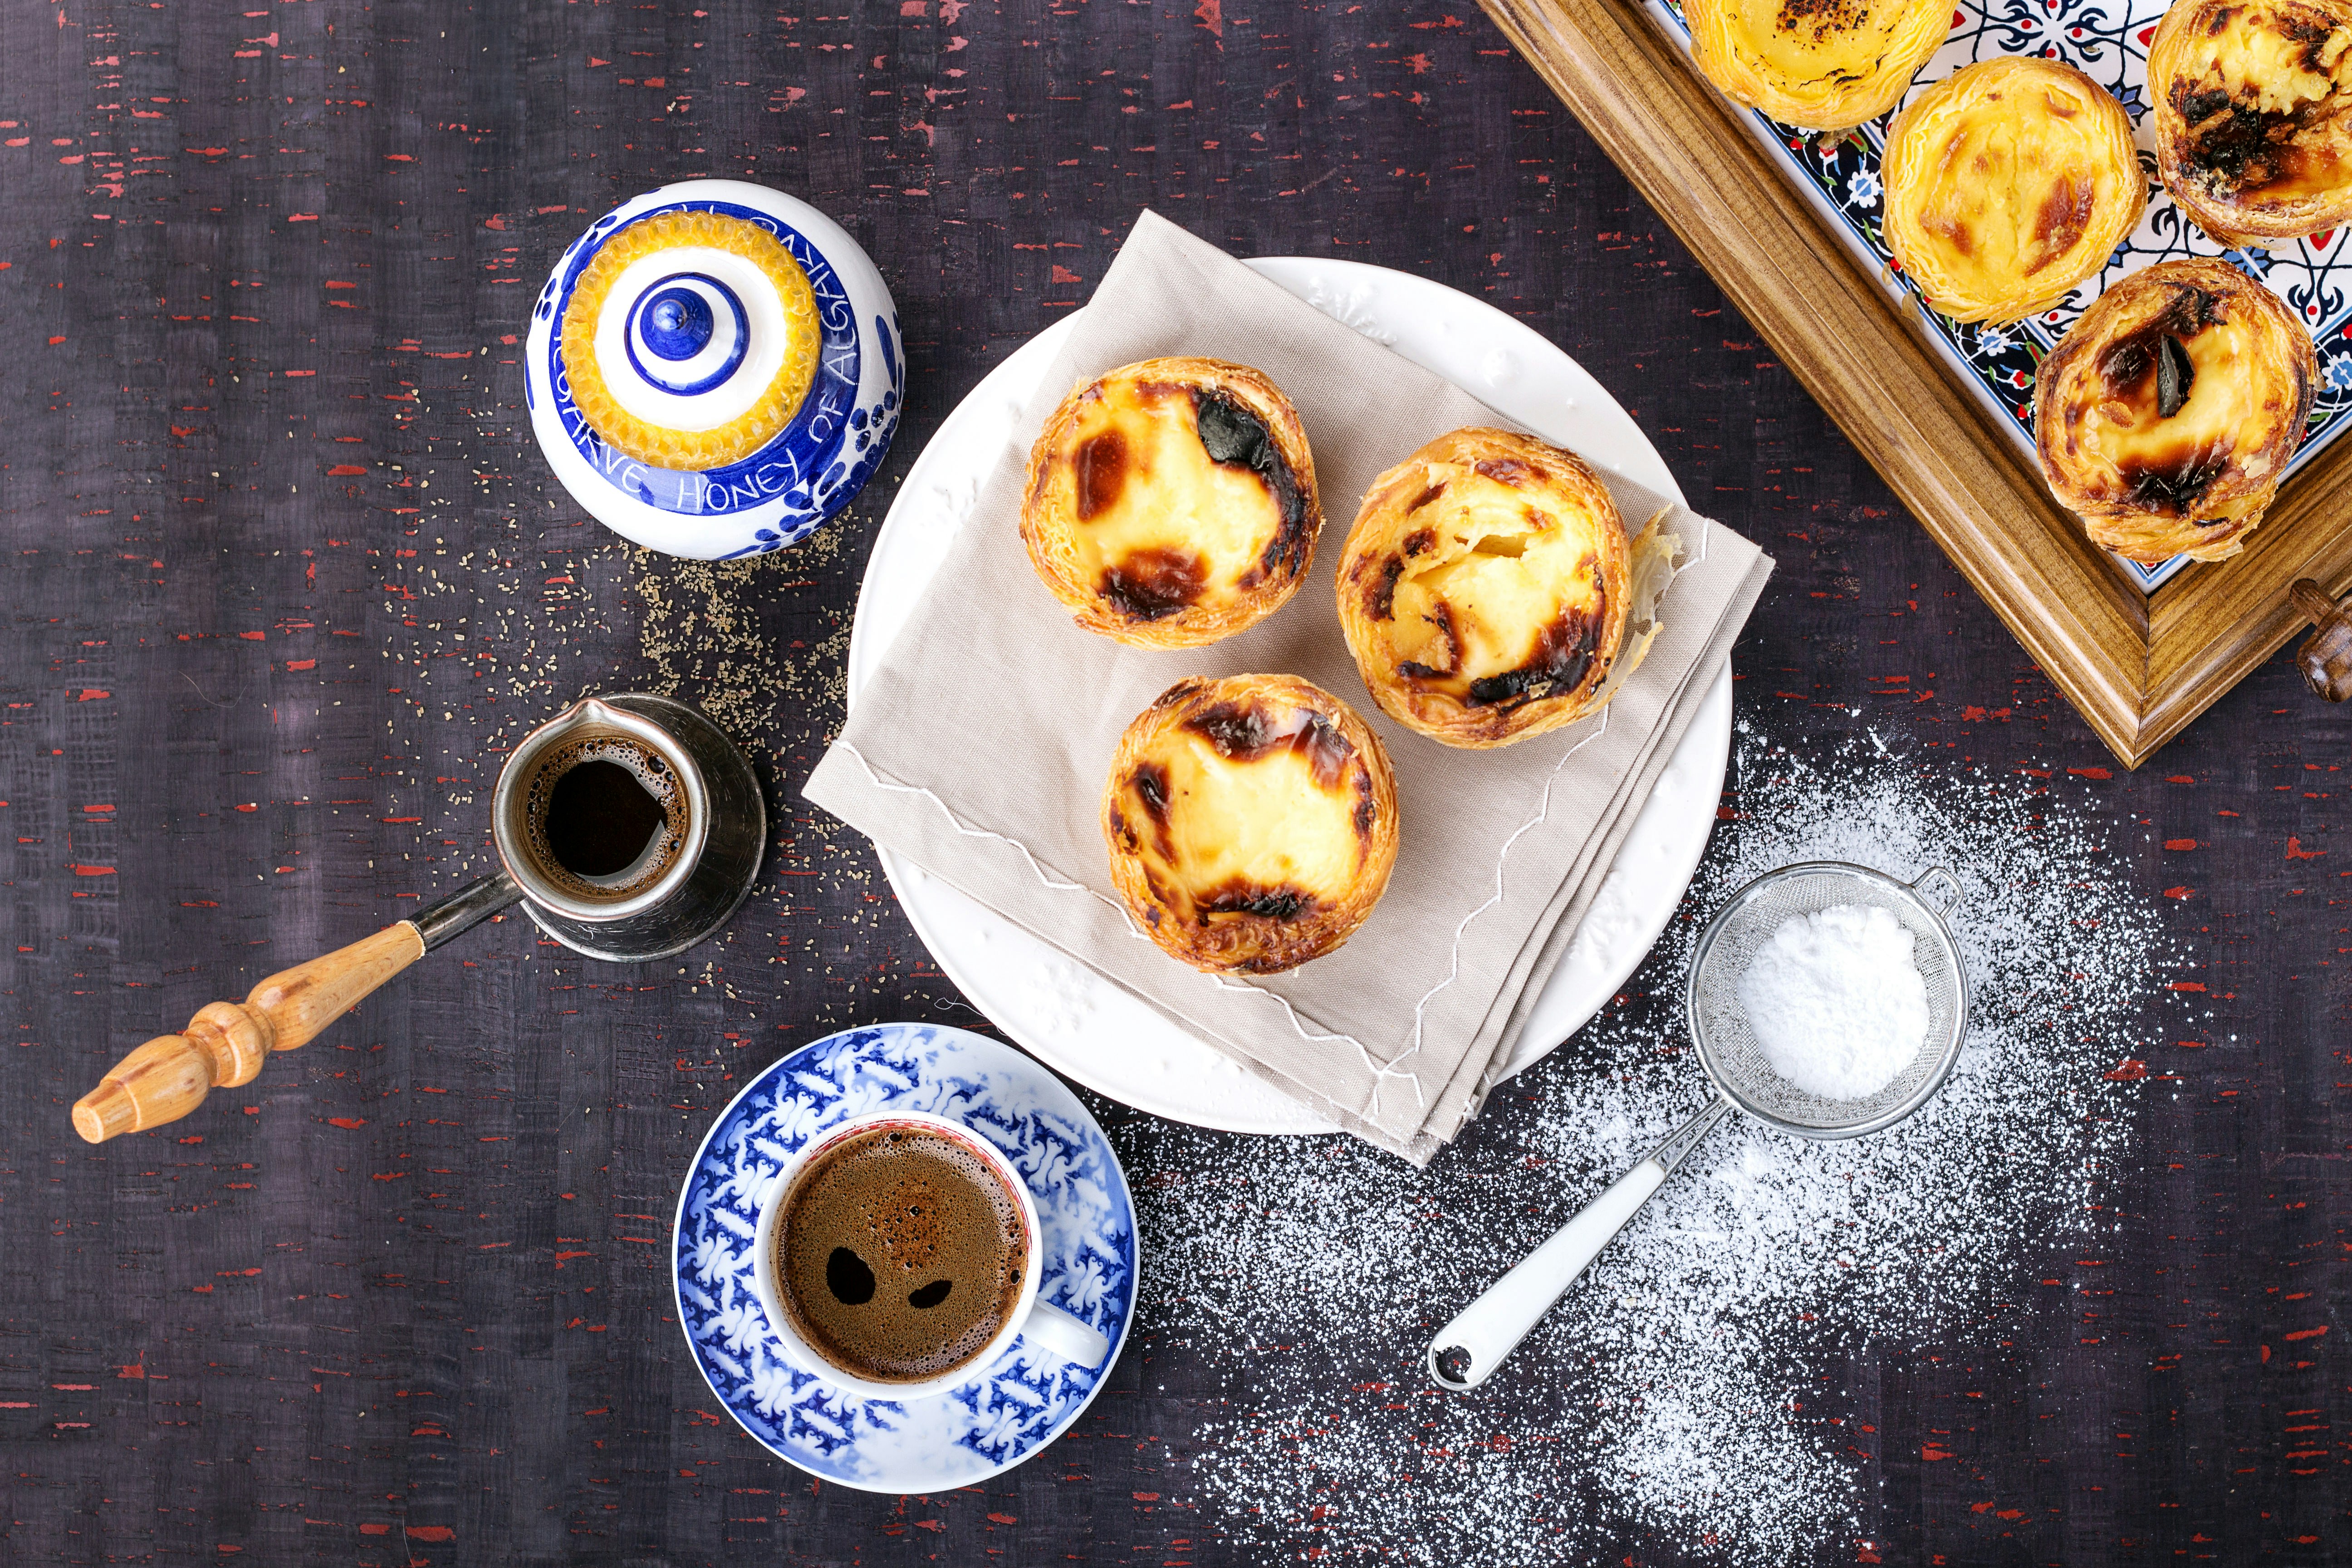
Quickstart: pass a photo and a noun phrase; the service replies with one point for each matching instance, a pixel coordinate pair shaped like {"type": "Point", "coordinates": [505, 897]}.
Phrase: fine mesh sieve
{"type": "Point", "coordinates": [1718, 1023]}
{"type": "Point", "coordinates": [1468, 1349]}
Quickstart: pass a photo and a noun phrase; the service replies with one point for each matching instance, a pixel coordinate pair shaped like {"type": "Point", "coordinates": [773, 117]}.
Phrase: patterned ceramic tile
{"type": "Point", "coordinates": [2107, 42]}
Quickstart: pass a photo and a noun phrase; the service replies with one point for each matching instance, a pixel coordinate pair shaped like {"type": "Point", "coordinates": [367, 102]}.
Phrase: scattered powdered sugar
{"type": "Point", "coordinates": [1835, 1001]}
{"type": "Point", "coordinates": [1687, 1392]}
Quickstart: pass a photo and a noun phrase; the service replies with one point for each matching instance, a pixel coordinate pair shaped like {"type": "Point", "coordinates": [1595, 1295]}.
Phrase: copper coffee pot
{"type": "Point", "coordinates": [681, 887]}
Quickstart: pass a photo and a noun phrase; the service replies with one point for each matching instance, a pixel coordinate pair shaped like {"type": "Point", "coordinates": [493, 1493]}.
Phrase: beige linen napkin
{"type": "Point", "coordinates": [980, 748]}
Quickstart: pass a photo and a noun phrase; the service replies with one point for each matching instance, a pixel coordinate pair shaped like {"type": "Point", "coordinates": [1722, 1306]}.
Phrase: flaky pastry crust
{"type": "Point", "coordinates": [1172, 502]}
{"type": "Point", "coordinates": [2007, 183]}
{"type": "Point", "coordinates": [2254, 115]}
{"type": "Point", "coordinates": [1483, 588]}
{"type": "Point", "coordinates": [1252, 822]}
{"type": "Point", "coordinates": [2168, 415]}
{"type": "Point", "coordinates": [1822, 65]}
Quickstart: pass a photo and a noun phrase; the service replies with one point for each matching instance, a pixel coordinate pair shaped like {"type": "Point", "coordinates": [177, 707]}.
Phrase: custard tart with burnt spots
{"type": "Point", "coordinates": [2008, 183]}
{"type": "Point", "coordinates": [1252, 822]}
{"type": "Point", "coordinates": [2168, 415]}
{"type": "Point", "coordinates": [1822, 64]}
{"type": "Point", "coordinates": [2254, 115]}
{"type": "Point", "coordinates": [1172, 502]}
{"type": "Point", "coordinates": [1484, 589]}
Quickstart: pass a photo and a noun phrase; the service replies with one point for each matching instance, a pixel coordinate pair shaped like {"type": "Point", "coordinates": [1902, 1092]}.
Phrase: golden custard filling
{"type": "Point", "coordinates": [2264, 92]}
{"type": "Point", "coordinates": [1250, 809]}
{"type": "Point", "coordinates": [1252, 822]}
{"type": "Point", "coordinates": [1821, 64]}
{"type": "Point", "coordinates": [1821, 40]}
{"type": "Point", "coordinates": [2172, 405]}
{"type": "Point", "coordinates": [1175, 492]}
{"type": "Point", "coordinates": [1490, 599]}
{"type": "Point", "coordinates": [2170, 412]}
{"type": "Point", "coordinates": [2007, 183]}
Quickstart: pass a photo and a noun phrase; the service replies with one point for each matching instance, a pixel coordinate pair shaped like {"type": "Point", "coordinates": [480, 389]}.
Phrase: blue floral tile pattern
{"type": "Point", "coordinates": [1019, 1403]}
{"type": "Point", "coordinates": [2107, 41]}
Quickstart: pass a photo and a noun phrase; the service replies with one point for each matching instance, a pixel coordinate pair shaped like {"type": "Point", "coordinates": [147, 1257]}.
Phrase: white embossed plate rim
{"type": "Point", "coordinates": [1062, 1012]}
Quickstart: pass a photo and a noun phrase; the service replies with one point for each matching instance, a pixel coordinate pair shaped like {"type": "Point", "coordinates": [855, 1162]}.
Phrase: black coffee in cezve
{"type": "Point", "coordinates": [601, 805]}
{"type": "Point", "coordinates": [899, 1254]}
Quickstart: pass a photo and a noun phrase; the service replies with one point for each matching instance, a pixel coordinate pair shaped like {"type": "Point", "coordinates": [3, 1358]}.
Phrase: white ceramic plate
{"type": "Point", "coordinates": [1085, 1025]}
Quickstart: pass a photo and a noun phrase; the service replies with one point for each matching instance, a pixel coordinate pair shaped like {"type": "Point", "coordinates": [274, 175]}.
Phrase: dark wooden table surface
{"type": "Point", "coordinates": [286, 574]}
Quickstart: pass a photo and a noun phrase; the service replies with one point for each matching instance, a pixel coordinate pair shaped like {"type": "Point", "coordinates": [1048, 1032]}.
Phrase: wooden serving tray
{"type": "Point", "coordinates": [2138, 666]}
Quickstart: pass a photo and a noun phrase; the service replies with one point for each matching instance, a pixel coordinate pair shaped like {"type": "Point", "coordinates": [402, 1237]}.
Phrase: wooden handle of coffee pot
{"type": "Point", "coordinates": [225, 1042]}
{"type": "Point", "coordinates": [2326, 656]}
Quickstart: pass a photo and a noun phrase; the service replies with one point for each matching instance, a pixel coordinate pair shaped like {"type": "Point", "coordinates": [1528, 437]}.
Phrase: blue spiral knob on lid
{"type": "Point", "coordinates": [688, 334]}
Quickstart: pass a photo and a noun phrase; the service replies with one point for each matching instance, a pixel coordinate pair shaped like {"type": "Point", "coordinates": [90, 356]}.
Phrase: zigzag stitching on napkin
{"type": "Point", "coordinates": [1453, 970]}
{"type": "Point", "coordinates": [1379, 1071]}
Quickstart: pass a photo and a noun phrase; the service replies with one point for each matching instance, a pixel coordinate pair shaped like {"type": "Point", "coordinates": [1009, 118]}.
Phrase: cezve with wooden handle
{"type": "Point", "coordinates": [225, 1043]}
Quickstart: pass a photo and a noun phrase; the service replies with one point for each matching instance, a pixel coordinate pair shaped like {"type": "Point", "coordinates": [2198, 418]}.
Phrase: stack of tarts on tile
{"type": "Point", "coordinates": [1488, 592]}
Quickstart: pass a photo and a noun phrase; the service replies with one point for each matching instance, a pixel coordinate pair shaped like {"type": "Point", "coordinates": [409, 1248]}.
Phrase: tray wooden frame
{"type": "Point", "coordinates": [2138, 666]}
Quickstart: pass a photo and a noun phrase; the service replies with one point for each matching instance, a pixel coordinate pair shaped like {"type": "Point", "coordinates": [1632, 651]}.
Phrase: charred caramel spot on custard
{"type": "Point", "coordinates": [1564, 652]}
{"type": "Point", "coordinates": [1825, 19]}
{"type": "Point", "coordinates": [2066, 214]}
{"type": "Point", "coordinates": [1380, 599]}
{"type": "Point", "coordinates": [1238, 897]}
{"type": "Point", "coordinates": [1150, 782]}
{"type": "Point", "coordinates": [1425, 496]}
{"type": "Point", "coordinates": [2170, 488]}
{"type": "Point", "coordinates": [1100, 464]}
{"type": "Point", "coordinates": [1150, 584]}
{"type": "Point", "coordinates": [1953, 230]}
{"type": "Point", "coordinates": [1442, 619]}
{"type": "Point", "coordinates": [1245, 733]}
{"type": "Point", "coordinates": [1506, 471]}
{"type": "Point", "coordinates": [1421, 539]}
{"type": "Point", "coordinates": [1232, 434]}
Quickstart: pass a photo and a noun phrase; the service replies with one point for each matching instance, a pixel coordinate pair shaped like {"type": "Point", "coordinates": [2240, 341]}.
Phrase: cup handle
{"type": "Point", "coordinates": [1064, 1338]}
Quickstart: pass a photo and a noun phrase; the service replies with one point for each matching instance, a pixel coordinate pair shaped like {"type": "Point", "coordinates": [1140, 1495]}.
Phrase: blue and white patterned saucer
{"type": "Point", "coordinates": [812, 468]}
{"type": "Point", "coordinates": [1022, 1401]}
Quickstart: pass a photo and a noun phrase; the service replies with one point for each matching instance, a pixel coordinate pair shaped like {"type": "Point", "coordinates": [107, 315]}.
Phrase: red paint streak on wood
{"type": "Point", "coordinates": [2295, 851]}
{"type": "Point", "coordinates": [347, 1121]}
{"type": "Point", "coordinates": [2180, 844]}
{"type": "Point", "coordinates": [1212, 14]}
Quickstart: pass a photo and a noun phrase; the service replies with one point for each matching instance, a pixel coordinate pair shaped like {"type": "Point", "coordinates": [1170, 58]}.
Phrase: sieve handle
{"type": "Point", "coordinates": [1940, 889]}
{"type": "Point", "coordinates": [1466, 1351]}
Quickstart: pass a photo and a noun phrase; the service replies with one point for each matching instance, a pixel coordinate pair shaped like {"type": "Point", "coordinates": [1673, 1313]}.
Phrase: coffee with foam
{"type": "Point", "coordinates": [900, 1254]}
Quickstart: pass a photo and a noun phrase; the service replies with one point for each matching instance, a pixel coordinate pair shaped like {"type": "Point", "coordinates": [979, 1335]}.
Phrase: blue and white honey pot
{"type": "Point", "coordinates": [714, 369]}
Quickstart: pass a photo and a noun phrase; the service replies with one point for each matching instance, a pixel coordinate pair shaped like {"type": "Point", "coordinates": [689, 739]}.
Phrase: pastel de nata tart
{"type": "Point", "coordinates": [1252, 822]}
{"type": "Point", "coordinates": [1488, 589]}
{"type": "Point", "coordinates": [1172, 502]}
{"type": "Point", "coordinates": [1822, 64]}
{"type": "Point", "coordinates": [2168, 413]}
{"type": "Point", "coordinates": [690, 339]}
{"type": "Point", "coordinates": [2007, 183]}
{"type": "Point", "coordinates": [2254, 115]}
